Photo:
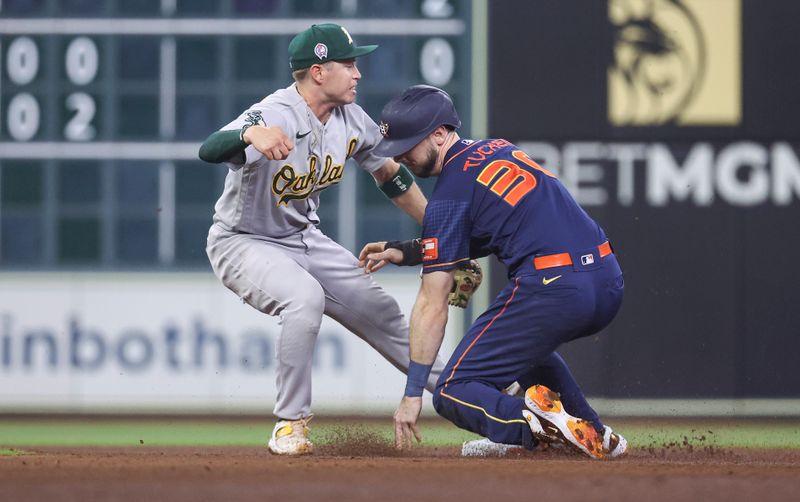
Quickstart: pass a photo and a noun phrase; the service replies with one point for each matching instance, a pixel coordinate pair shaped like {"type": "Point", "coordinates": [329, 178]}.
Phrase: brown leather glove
{"type": "Point", "coordinates": [467, 278]}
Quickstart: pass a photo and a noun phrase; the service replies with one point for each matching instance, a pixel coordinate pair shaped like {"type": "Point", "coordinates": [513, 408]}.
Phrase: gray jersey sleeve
{"type": "Point", "coordinates": [258, 114]}
{"type": "Point", "coordinates": [369, 140]}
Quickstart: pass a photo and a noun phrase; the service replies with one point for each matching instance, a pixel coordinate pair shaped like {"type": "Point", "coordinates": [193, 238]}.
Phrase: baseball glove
{"type": "Point", "coordinates": [467, 278]}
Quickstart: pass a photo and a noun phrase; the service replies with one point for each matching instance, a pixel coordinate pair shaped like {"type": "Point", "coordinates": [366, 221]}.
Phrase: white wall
{"type": "Point", "coordinates": [95, 342]}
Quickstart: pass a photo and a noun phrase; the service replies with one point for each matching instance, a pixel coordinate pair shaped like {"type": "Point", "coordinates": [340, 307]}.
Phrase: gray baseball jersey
{"type": "Point", "coordinates": [265, 247]}
{"type": "Point", "coordinates": [275, 199]}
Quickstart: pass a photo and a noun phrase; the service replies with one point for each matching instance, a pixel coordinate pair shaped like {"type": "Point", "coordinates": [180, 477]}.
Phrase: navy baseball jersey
{"type": "Point", "coordinates": [491, 198]}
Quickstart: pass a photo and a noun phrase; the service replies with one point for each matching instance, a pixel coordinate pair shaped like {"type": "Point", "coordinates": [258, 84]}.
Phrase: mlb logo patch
{"type": "Point", "coordinates": [321, 50]}
{"type": "Point", "coordinates": [587, 259]}
{"type": "Point", "coordinates": [430, 249]}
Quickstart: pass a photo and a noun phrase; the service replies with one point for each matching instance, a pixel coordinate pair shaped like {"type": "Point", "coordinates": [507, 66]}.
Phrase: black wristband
{"type": "Point", "coordinates": [412, 251]}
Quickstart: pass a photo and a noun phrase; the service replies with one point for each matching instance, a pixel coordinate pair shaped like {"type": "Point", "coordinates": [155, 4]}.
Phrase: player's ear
{"type": "Point", "coordinates": [316, 72]}
{"type": "Point", "coordinates": [440, 135]}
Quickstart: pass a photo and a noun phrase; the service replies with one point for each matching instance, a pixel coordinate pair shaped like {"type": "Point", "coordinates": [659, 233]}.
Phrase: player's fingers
{"type": "Point", "coordinates": [371, 262]}
{"type": "Point", "coordinates": [398, 435]}
{"type": "Point", "coordinates": [407, 437]}
{"type": "Point", "coordinates": [289, 144]}
{"type": "Point", "coordinates": [417, 434]}
{"type": "Point", "coordinates": [377, 256]}
{"type": "Point", "coordinates": [376, 265]}
{"type": "Point", "coordinates": [371, 247]}
{"type": "Point", "coordinates": [277, 154]}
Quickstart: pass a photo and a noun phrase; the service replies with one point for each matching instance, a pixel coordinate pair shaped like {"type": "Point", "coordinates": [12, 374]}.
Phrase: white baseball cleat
{"type": "Point", "coordinates": [487, 448]}
{"type": "Point", "coordinates": [290, 437]}
{"type": "Point", "coordinates": [614, 444]}
{"type": "Point", "coordinates": [559, 425]}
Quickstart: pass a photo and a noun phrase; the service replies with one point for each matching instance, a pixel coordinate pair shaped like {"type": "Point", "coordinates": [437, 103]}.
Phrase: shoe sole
{"type": "Point", "coordinates": [487, 448]}
{"type": "Point", "coordinates": [560, 425]}
{"type": "Point", "coordinates": [304, 450]}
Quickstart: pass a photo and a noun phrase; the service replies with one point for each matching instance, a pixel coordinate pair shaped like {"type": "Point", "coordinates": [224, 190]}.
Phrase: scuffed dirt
{"type": "Point", "coordinates": [365, 468]}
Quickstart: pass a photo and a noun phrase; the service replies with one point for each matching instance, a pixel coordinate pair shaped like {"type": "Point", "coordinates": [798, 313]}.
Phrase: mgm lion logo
{"type": "Point", "coordinates": [675, 62]}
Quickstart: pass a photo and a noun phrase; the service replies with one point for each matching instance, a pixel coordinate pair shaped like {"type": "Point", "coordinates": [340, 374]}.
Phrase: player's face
{"type": "Point", "coordinates": [421, 159]}
{"type": "Point", "coordinates": [341, 78]}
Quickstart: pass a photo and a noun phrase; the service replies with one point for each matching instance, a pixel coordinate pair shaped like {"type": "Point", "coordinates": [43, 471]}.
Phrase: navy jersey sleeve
{"type": "Point", "coordinates": [446, 232]}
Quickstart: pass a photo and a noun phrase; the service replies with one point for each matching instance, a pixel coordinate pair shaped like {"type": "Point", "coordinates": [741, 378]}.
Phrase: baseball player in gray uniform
{"type": "Point", "coordinates": [264, 244]}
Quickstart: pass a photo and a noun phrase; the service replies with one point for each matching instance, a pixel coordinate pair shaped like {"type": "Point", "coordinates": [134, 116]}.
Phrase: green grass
{"type": "Point", "coordinates": [222, 432]}
{"type": "Point", "coordinates": [718, 433]}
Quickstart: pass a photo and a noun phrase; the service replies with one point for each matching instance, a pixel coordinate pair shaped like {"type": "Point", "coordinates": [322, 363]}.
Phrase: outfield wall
{"type": "Point", "coordinates": [173, 342]}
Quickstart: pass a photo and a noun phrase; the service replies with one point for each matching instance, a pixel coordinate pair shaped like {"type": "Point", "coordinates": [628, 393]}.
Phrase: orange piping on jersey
{"type": "Point", "coordinates": [459, 153]}
{"type": "Point", "coordinates": [516, 286]}
{"type": "Point", "coordinates": [448, 263]}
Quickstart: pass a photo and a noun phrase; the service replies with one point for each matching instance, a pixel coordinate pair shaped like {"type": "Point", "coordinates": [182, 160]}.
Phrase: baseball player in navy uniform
{"type": "Point", "coordinates": [264, 244]}
{"type": "Point", "coordinates": [564, 283]}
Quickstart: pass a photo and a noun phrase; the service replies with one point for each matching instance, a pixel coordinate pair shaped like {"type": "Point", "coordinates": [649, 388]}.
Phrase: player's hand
{"type": "Point", "coordinates": [270, 141]}
{"type": "Point", "coordinates": [373, 257]}
{"type": "Point", "coordinates": [405, 422]}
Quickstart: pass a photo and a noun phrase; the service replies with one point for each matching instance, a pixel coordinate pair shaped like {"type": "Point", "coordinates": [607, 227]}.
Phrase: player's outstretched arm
{"type": "Point", "coordinates": [375, 255]}
{"type": "Point", "coordinates": [428, 320]}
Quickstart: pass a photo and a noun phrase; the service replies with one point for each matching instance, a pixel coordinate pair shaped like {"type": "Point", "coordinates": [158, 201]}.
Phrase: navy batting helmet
{"type": "Point", "coordinates": [408, 118]}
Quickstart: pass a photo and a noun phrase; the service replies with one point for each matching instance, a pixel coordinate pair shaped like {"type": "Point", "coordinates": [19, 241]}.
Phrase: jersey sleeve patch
{"type": "Point", "coordinates": [430, 249]}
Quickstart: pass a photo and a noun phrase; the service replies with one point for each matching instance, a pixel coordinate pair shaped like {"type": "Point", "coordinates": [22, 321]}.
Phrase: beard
{"type": "Point", "coordinates": [425, 169]}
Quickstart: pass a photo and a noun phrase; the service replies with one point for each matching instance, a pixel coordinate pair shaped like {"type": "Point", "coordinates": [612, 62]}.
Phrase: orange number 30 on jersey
{"type": "Point", "coordinates": [511, 174]}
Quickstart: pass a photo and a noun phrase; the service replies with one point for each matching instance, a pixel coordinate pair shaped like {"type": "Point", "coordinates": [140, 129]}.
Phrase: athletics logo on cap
{"type": "Point", "coordinates": [321, 50]}
{"type": "Point", "coordinates": [384, 128]}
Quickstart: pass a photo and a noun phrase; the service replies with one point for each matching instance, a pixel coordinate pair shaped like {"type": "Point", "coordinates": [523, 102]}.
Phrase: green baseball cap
{"type": "Point", "coordinates": [322, 43]}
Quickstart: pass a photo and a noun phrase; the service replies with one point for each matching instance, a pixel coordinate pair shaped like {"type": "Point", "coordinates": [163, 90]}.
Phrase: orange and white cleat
{"type": "Point", "coordinates": [560, 426]}
{"type": "Point", "coordinates": [290, 437]}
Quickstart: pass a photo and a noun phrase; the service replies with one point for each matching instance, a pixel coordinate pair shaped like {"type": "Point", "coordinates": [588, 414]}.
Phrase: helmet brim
{"type": "Point", "coordinates": [396, 147]}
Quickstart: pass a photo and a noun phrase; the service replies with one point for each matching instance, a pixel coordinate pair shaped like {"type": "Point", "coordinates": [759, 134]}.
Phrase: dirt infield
{"type": "Point", "coordinates": [376, 472]}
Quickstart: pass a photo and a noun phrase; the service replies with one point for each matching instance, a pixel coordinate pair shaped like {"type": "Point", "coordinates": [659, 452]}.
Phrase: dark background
{"type": "Point", "coordinates": [712, 307]}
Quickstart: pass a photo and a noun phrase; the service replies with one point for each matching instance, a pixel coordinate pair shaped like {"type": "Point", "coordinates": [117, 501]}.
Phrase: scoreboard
{"type": "Point", "coordinates": [103, 105]}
